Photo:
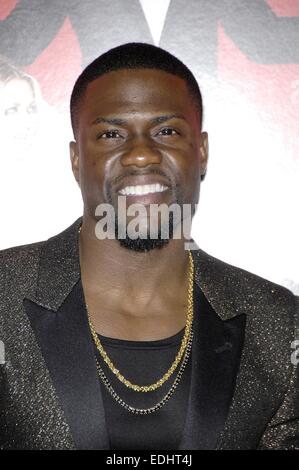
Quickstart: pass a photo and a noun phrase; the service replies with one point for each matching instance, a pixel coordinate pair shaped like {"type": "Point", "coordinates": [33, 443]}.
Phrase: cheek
{"type": "Point", "coordinates": [192, 185]}
{"type": "Point", "coordinates": [90, 170]}
{"type": "Point", "coordinates": [189, 166]}
{"type": "Point", "coordinates": [91, 161]}
{"type": "Point", "coordinates": [94, 170]}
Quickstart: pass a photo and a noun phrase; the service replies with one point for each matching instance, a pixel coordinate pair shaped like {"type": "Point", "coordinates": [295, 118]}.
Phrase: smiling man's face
{"type": "Point", "coordinates": [139, 135]}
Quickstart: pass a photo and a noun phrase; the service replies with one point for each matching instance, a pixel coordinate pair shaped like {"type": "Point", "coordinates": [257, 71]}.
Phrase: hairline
{"type": "Point", "coordinates": [80, 97]}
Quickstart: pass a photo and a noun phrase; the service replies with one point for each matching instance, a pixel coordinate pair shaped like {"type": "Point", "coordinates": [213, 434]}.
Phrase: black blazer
{"type": "Point", "coordinates": [244, 387]}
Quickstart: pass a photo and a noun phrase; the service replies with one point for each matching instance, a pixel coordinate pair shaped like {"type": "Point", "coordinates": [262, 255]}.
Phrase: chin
{"type": "Point", "coordinates": [146, 243]}
{"type": "Point", "coordinates": [143, 245]}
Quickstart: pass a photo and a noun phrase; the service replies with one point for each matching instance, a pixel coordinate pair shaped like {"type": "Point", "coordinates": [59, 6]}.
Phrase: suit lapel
{"type": "Point", "coordinates": [66, 345]}
{"type": "Point", "coordinates": [261, 384]}
{"type": "Point", "coordinates": [265, 368]}
{"type": "Point", "coordinates": [64, 338]}
{"type": "Point", "coordinates": [216, 353]}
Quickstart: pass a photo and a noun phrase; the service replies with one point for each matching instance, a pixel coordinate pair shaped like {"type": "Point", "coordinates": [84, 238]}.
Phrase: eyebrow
{"type": "Point", "coordinates": [116, 121]}
{"type": "Point", "coordinates": [119, 122]}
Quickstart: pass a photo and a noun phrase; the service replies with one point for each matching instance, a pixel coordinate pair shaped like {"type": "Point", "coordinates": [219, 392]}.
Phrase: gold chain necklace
{"type": "Point", "coordinates": [161, 403]}
{"type": "Point", "coordinates": [167, 375]}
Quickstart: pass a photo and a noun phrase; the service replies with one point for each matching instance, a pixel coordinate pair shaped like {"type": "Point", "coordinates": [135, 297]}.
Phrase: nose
{"type": "Point", "coordinates": [141, 155]}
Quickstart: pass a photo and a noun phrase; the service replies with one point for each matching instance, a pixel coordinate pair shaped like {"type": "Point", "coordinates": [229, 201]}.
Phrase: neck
{"type": "Point", "coordinates": [138, 277]}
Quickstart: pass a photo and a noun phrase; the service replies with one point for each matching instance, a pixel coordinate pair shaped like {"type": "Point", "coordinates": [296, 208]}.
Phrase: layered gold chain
{"type": "Point", "coordinates": [185, 340]}
{"type": "Point", "coordinates": [161, 403]}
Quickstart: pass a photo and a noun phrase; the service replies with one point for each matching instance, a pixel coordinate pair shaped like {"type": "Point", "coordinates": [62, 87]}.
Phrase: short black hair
{"type": "Point", "coordinates": [134, 55]}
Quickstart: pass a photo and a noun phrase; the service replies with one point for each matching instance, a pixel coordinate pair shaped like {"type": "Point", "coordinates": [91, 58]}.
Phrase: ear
{"type": "Point", "coordinates": [74, 155]}
{"type": "Point", "coordinates": [204, 153]}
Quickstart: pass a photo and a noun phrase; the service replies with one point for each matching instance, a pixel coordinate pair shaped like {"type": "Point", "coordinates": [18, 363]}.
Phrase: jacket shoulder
{"type": "Point", "coordinates": [18, 270]}
{"type": "Point", "coordinates": [234, 288]}
{"type": "Point", "coordinates": [18, 256]}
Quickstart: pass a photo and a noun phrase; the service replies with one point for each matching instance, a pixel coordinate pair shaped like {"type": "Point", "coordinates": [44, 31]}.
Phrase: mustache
{"type": "Point", "coordinates": [153, 171]}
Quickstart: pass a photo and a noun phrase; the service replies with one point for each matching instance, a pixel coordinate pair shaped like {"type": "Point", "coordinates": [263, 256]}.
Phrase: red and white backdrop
{"type": "Point", "coordinates": [245, 55]}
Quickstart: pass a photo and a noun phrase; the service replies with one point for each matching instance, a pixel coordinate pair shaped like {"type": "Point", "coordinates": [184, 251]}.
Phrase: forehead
{"type": "Point", "coordinates": [138, 90]}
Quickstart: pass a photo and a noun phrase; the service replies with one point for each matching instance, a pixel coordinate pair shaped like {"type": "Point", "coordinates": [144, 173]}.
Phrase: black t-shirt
{"type": "Point", "coordinates": [144, 362]}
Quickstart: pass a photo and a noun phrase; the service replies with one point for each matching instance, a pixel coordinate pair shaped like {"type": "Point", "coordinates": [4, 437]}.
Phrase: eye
{"type": "Point", "coordinates": [32, 108]}
{"type": "Point", "coordinates": [113, 134]}
{"type": "Point", "coordinates": [168, 131]}
{"type": "Point", "coordinates": [11, 110]}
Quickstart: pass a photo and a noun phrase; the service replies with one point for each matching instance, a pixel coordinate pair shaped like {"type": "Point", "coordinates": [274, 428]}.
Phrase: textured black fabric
{"type": "Point", "coordinates": [67, 348]}
{"type": "Point", "coordinates": [143, 363]}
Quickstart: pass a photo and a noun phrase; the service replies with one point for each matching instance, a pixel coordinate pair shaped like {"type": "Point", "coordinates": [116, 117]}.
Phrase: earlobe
{"type": "Point", "coordinates": [74, 155]}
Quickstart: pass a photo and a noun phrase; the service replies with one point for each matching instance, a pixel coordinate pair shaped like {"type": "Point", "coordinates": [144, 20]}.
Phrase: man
{"type": "Point", "coordinates": [137, 342]}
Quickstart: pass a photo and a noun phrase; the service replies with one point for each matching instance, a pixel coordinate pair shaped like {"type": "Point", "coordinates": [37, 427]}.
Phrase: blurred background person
{"type": "Point", "coordinates": [33, 161]}
{"type": "Point", "coordinates": [20, 103]}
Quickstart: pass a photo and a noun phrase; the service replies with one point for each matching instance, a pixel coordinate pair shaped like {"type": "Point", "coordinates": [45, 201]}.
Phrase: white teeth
{"type": "Point", "coordinates": [143, 189]}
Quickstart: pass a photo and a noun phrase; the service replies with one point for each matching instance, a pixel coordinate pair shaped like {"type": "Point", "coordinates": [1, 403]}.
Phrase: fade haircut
{"type": "Point", "coordinates": [134, 55]}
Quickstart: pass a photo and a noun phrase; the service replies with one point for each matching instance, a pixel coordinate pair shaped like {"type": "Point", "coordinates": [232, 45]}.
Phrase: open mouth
{"type": "Point", "coordinates": [143, 189]}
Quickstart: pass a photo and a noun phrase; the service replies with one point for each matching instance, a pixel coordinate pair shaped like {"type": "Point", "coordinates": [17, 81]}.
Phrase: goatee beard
{"type": "Point", "coordinates": [146, 244]}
